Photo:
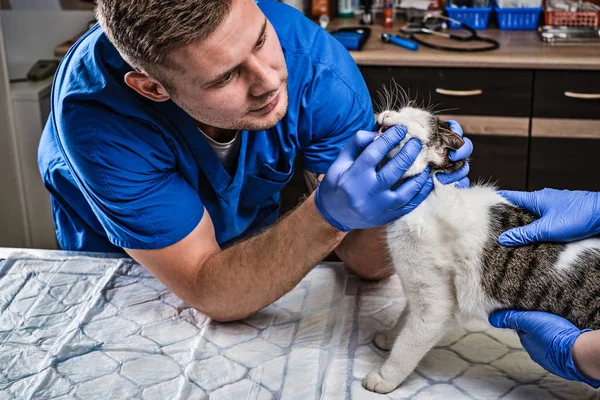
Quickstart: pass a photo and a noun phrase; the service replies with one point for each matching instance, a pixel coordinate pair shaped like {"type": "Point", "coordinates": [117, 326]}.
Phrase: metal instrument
{"type": "Point", "coordinates": [564, 35]}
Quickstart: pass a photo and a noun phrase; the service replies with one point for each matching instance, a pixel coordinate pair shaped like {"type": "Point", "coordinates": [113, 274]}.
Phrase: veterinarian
{"type": "Point", "coordinates": [174, 126]}
{"type": "Point", "coordinates": [552, 341]}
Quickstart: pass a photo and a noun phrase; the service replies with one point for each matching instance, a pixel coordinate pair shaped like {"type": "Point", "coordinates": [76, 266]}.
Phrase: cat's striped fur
{"type": "Point", "coordinates": [528, 278]}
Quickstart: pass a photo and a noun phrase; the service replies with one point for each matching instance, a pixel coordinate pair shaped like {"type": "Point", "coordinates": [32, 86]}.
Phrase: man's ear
{"type": "Point", "coordinates": [146, 86]}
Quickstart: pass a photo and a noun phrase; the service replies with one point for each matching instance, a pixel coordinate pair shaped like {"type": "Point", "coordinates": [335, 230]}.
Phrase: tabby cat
{"type": "Point", "coordinates": [452, 268]}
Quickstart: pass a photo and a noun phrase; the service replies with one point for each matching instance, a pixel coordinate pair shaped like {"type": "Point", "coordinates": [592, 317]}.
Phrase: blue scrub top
{"type": "Point", "coordinates": [126, 172]}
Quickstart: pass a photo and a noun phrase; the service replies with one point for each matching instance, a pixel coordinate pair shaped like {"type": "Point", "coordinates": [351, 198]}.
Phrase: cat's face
{"type": "Point", "coordinates": [435, 135]}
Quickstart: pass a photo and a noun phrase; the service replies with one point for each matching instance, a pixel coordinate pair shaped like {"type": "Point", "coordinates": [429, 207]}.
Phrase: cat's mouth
{"type": "Point", "coordinates": [386, 127]}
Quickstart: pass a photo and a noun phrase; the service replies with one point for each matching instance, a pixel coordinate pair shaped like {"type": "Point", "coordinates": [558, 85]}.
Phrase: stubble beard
{"type": "Point", "coordinates": [250, 125]}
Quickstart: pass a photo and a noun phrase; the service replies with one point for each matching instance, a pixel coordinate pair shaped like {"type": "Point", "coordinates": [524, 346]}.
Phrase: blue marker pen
{"type": "Point", "coordinates": [398, 41]}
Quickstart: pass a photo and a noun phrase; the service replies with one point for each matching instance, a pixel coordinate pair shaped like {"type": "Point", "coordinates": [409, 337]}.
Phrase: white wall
{"type": "Point", "coordinates": [13, 227]}
{"type": "Point", "coordinates": [31, 35]}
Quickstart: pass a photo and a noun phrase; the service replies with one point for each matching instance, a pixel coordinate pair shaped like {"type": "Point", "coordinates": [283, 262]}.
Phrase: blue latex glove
{"type": "Point", "coordinates": [459, 178]}
{"type": "Point", "coordinates": [564, 216]}
{"type": "Point", "coordinates": [547, 338]}
{"type": "Point", "coordinates": [354, 195]}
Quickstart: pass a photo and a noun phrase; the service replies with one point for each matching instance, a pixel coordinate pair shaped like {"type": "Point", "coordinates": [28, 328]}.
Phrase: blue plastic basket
{"type": "Point", "coordinates": [476, 18]}
{"type": "Point", "coordinates": [518, 18]}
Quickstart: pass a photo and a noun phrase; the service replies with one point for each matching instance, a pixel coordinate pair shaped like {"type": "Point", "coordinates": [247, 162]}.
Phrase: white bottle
{"type": "Point", "coordinates": [345, 8]}
{"type": "Point", "coordinates": [297, 4]}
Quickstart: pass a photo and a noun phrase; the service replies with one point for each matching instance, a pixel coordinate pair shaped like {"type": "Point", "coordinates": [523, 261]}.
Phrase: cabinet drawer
{"type": "Point", "coordinates": [567, 94]}
{"type": "Point", "coordinates": [501, 160]}
{"type": "Point", "coordinates": [500, 146]}
{"type": "Point", "coordinates": [564, 164]}
{"type": "Point", "coordinates": [564, 154]}
{"type": "Point", "coordinates": [459, 90]}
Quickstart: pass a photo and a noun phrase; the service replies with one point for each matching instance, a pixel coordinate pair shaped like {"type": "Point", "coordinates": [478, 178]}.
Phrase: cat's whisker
{"type": "Point", "coordinates": [417, 96]}
{"type": "Point", "coordinates": [388, 98]}
{"type": "Point", "coordinates": [399, 91]}
{"type": "Point", "coordinates": [393, 89]}
{"type": "Point", "coordinates": [444, 110]}
{"type": "Point", "coordinates": [380, 102]}
{"type": "Point", "coordinates": [429, 103]}
{"type": "Point", "coordinates": [433, 106]}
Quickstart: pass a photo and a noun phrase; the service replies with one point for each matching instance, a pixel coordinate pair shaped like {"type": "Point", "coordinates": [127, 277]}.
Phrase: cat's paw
{"type": "Point", "coordinates": [384, 340]}
{"type": "Point", "coordinates": [376, 383]}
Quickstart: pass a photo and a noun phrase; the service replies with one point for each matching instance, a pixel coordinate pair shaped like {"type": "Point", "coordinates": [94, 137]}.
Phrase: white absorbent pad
{"type": "Point", "coordinates": [82, 327]}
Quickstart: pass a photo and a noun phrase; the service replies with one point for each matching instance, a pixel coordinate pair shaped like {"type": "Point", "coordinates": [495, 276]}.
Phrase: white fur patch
{"type": "Point", "coordinates": [568, 258]}
{"type": "Point", "coordinates": [439, 237]}
{"type": "Point", "coordinates": [417, 123]}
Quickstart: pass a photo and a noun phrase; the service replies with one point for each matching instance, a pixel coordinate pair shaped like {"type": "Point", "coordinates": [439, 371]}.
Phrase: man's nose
{"type": "Point", "coordinates": [264, 79]}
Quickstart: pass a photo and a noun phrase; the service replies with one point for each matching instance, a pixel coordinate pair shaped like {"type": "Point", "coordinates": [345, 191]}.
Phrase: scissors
{"type": "Point", "coordinates": [431, 24]}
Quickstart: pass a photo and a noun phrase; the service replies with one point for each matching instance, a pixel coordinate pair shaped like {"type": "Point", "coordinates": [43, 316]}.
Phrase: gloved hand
{"type": "Point", "coordinates": [459, 178]}
{"type": "Point", "coordinates": [564, 216]}
{"type": "Point", "coordinates": [353, 195]}
{"type": "Point", "coordinates": [547, 338]}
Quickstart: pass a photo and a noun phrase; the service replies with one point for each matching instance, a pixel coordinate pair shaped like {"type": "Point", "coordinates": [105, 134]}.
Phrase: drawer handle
{"type": "Point", "coordinates": [459, 93]}
{"type": "Point", "coordinates": [585, 96]}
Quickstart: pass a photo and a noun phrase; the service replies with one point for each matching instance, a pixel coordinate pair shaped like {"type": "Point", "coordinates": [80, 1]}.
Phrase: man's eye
{"type": "Point", "coordinates": [262, 41]}
{"type": "Point", "coordinates": [226, 78]}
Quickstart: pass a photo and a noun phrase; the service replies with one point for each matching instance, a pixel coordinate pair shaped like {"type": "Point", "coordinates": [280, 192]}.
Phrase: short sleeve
{"type": "Point", "coordinates": [126, 171]}
{"type": "Point", "coordinates": [340, 106]}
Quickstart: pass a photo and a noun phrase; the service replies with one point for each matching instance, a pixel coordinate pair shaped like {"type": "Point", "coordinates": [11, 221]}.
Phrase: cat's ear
{"type": "Point", "coordinates": [450, 139]}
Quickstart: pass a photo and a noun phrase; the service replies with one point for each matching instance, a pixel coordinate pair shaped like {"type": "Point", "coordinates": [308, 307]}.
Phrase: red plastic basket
{"type": "Point", "coordinates": [571, 18]}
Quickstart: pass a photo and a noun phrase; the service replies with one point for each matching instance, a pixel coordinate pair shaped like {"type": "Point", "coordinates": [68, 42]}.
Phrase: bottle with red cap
{"type": "Point", "coordinates": [388, 14]}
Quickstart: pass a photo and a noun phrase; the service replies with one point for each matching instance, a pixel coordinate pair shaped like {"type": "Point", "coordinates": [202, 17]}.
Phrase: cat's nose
{"type": "Point", "coordinates": [384, 126]}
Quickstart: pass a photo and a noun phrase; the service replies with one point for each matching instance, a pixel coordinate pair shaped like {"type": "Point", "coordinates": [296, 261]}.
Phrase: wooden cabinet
{"type": "Point", "coordinates": [567, 94]}
{"type": "Point", "coordinates": [501, 160]}
{"type": "Point", "coordinates": [530, 128]}
{"type": "Point", "coordinates": [461, 91]}
{"type": "Point", "coordinates": [565, 130]}
{"type": "Point", "coordinates": [564, 163]}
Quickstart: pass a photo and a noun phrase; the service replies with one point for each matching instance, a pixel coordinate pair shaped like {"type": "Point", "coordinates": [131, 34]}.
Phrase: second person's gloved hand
{"type": "Point", "coordinates": [564, 216]}
{"type": "Point", "coordinates": [547, 338]}
{"type": "Point", "coordinates": [354, 195]}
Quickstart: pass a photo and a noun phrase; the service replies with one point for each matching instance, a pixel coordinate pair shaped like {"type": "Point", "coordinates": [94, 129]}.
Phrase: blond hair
{"type": "Point", "coordinates": [145, 32]}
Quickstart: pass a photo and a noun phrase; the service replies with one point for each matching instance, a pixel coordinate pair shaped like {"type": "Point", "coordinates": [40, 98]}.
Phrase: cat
{"type": "Point", "coordinates": [452, 268]}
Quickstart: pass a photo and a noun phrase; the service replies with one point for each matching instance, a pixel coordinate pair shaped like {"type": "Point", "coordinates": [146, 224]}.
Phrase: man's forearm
{"type": "Point", "coordinates": [586, 354]}
{"type": "Point", "coordinates": [364, 251]}
{"type": "Point", "coordinates": [251, 274]}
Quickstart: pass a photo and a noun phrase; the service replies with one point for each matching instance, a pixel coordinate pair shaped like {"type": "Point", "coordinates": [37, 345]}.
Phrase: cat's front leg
{"type": "Point", "coordinates": [386, 338]}
{"type": "Point", "coordinates": [426, 323]}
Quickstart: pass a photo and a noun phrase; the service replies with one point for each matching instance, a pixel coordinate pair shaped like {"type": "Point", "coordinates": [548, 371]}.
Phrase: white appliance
{"type": "Point", "coordinates": [31, 106]}
{"type": "Point", "coordinates": [29, 35]}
